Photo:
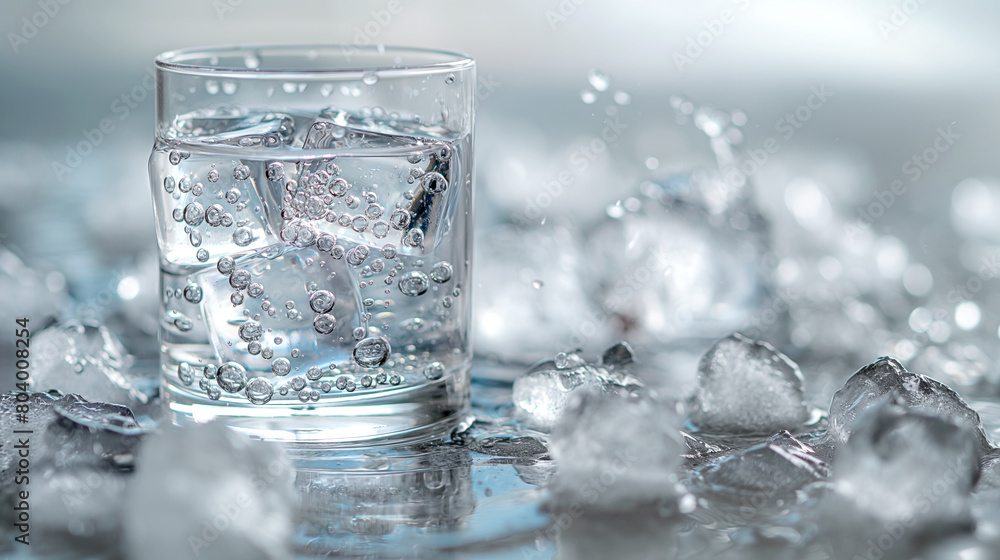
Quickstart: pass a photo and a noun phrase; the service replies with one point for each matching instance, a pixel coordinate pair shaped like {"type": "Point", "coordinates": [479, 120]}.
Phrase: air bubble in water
{"type": "Point", "coordinates": [395, 379]}
{"type": "Point", "coordinates": [182, 322]}
{"type": "Point", "coordinates": [441, 272]}
{"type": "Point", "coordinates": [197, 189]}
{"type": "Point", "coordinates": [339, 187]}
{"type": "Point", "coordinates": [449, 79]}
{"type": "Point", "coordinates": [236, 298]}
{"type": "Point", "coordinates": [414, 283]}
{"type": "Point", "coordinates": [226, 265]}
{"type": "Point", "coordinates": [241, 172]}
{"type": "Point", "coordinates": [251, 330]}
{"type": "Point", "coordinates": [185, 373]}
{"type": "Point", "coordinates": [253, 348]}
{"type": "Point", "coordinates": [168, 184]}
{"type": "Point", "coordinates": [239, 279]}
{"type": "Point", "coordinates": [337, 252]}
{"type": "Point", "coordinates": [324, 323]}
{"type": "Point", "coordinates": [322, 301]}
{"type": "Point", "coordinates": [314, 373]}
{"type": "Point", "coordinates": [194, 237]}
{"type": "Point", "coordinates": [413, 237]}
{"type": "Point", "coordinates": [193, 293]}
{"type": "Point", "coordinates": [214, 393]}
{"type": "Point", "coordinates": [588, 96]}
{"type": "Point", "coordinates": [212, 176]}
{"type": "Point", "coordinates": [434, 182]}
{"type": "Point", "coordinates": [242, 236]}
{"type": "Point", "coordinates": [184, 185]}
{"type": "Point", "coordinates": [174, 157]}
{"type": "Point", "coordinates": [178, 214]}
{"type": "Point", "coordinates": [359, 224]}
{"type": "Point", "coordinates": [370, 78]}
{"type": "Point", "coordinates": [400, 219]}
{"type": "Point", "coordinates": [233, 196]}
{"type": "Point", "coordinates": [275, 171]}
{"type": "Point", "coordinates": [297, 383]}
{"type": "Point", "coordinates": [389, 251]}
{"type": "Point", "coordinates": [266, 353]}
{"type": "Point", "coordinates": [358, 333]}
{"type": "Point", "coordinates": [259, 390]}
{"type": "Point", "coordinates": [202, 255]}
{"type": "Point", "coordinates": [434, 370]}
{"type": "Point", "coordinates": [231, 377]}
{"type": "Point", "coordinates": [281, 366]}
{"type": "Point", "coordinates": [255, 290]}
{"type": "Point", "coordinates": [194, 213]}
{"type": "Point", "coordinates": [357, 255]}
{"type": "Point", "coordinates": [341, 382]}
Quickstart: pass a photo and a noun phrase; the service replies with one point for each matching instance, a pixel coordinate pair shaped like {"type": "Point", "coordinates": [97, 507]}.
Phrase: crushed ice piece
{"type": "Point", "coordinates": [615, 451]}
{"type": "Point", "coordinates": [903, 471]}
{"type": "Point", "coordinates": [776, 467]}
{"type": "Point", "coordinates": [620, 354]}
{"type": "Point", "coordinates": [746, 386]}
{"type": "Point", "coordinates": [512, 447]}
{"type": "Point", "coordinates": [205, 491]}
{"type": "Point", "coordinates": [886, 379]}
{"type": "Point", "coordinates": [102, 416]}
{"type": "Point", "coordinates": [541, 394]}
{"type": "Point", "coordinates": [86, 359]}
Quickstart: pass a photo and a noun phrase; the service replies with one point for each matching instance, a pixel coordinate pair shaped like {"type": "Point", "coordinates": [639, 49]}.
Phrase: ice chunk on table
{"type": "Point", "coordinates": [903, 472]}
{"type": "Point", "coordinates": [887, 380]}
{"type": "Point", "coordinates": [746, 386]}
{"type": "Point", "coordinates": [541, 395]}
{"type": "Point", "coordinates": [615, 452]}
{"type": "Point", "coordinates": [86, 359]}
{"type": "Point", "coordinates": [776, 467]}
{"type": "Point", "coordinates": [205, 491]}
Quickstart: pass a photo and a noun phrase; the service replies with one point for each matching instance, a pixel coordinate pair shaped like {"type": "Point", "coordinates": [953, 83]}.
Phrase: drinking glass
{"type": "Point", "coordinates": [313, 215]}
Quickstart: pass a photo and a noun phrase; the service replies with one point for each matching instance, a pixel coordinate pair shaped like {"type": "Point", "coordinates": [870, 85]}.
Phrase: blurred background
{"type": "Point", "coordinates": [868, 130]}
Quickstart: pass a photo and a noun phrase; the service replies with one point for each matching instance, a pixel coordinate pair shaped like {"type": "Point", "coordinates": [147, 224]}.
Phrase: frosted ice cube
{"type": "Point", "coordinates": [204, 491]}
{"type": "Point", "coordinates": [86, 359]}
{"type": "Point", "coordinates": [542, 393]}
{"type": "Point", "coordinates": [615, 452]}
{"type": "Point", "coordinates": [771, 469]}
{"type": "Point", "coordinates": [906, 465]}
{"type": "Point", "coordinates": [671, 271]}
{"type": "Point", "coordinates": [286, 320]}
{"type": "Point", "coordinates": [520, 323]}
{"type": "Point", "coordinates": [887, 380]}
{"type": "Point", "coordinates": [746, 386]}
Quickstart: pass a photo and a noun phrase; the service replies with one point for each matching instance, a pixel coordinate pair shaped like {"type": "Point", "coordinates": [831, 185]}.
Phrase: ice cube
{"type": "Point", "coordinates": [671, 271]}
{"type": "Point", "coordinates": [286, 281]}
{"type": "Point", "coordinates": [746, 386]}
{"type": "Point", "coordinates": [205, 491]}
{"type": "Point", "coordinates": [904, 470]}
{"type": "Point", "coordinates": [86, 359]}
{"type": "Point", "coordinates": [519, 323]}
{"type": "Point", "coordinates": [771, 469]}
{"type": "Point", "coordinates": [887, 380]}
{"type": "Point", "coordinates": [615, 452]}
{"type": "Point", "coordinates": [542, 393]}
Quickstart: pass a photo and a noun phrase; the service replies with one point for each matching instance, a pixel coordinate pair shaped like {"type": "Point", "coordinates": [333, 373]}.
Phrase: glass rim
{"type": "Point", "coordinates": [433, 60]}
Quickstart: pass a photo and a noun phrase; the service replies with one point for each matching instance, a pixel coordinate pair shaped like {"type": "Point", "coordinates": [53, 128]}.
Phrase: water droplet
{"type": "Point", "coordinates": [413, 283]}
{"type": "Point", "coordinates": [537, 284]}
{"type": "Point", "coordinates": [231, 377]}
{"type": "Point", "coordinates": [241, 172]}
{"type": "Point", "coordinates": [259, 390]}
{"type": "Point", "coordinates": [193, 293]}
{"type": "Point", "coordinates": [281, 367]}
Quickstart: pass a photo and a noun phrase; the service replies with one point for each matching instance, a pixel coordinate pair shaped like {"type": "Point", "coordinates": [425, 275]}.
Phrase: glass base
{"type": "Point", "coordinates": [393, 416]}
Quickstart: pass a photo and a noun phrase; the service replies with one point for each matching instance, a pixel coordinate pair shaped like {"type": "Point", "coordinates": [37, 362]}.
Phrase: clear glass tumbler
{"type": "Point", "coordinates": [314, 217]}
